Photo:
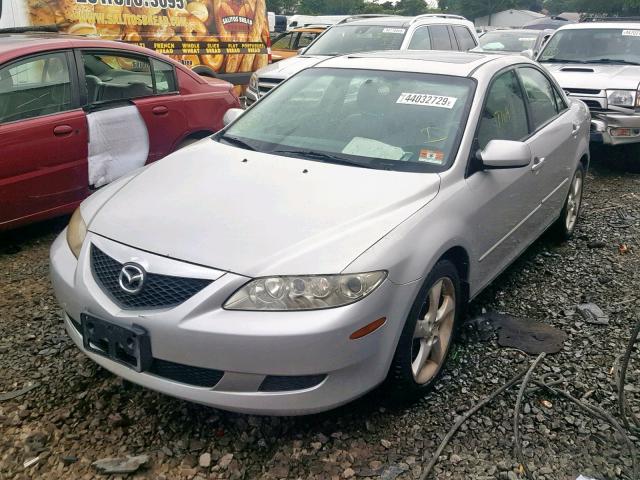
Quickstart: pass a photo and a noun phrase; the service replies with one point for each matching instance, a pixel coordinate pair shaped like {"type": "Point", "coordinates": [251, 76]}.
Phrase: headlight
{"type": "Point", "coordinates": [621, 98]}
{"type": "Point", "coordinates": [253, 82]}
{"type": "Point", "coordinates": [312, 292]}
{"type": "Point", "coordinates": [76, 232]}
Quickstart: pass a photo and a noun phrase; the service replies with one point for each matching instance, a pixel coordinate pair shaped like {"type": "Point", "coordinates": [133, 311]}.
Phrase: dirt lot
{"type": "Point", "coordinates": [79, 413]}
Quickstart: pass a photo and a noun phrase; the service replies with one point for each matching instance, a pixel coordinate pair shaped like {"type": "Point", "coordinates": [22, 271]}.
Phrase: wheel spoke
{"type": "Point", "coordinates": [448, 306]}
{"type": "Point", "coordinates": [421, 358]}
{"type": "Point", "coordinates": [437, 352]}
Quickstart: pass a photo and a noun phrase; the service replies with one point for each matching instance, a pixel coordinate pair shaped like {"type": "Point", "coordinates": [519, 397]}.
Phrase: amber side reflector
{"type": "Point", "coordinates": [367, 329]}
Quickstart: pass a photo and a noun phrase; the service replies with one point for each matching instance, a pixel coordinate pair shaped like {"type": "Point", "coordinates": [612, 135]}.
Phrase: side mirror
{"type": "Point", "coordinates": [301, 51]}
{"type": "Point", "coordinates": [529, 53]}
{"type": "Point", "coordinates": [499, 154]}
{"type": "Point", "coordinates": [231, 115]}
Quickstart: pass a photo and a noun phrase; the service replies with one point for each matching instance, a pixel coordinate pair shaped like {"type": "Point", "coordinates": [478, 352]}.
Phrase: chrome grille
{"type": "Point", "coordinates": [265, 85]}
{"type": "Point", "coordinates": [158, 291]}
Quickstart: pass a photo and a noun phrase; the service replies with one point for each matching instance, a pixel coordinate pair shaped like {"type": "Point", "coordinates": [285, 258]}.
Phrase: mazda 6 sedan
{"type": "Point", "coordinates": [326, 240]}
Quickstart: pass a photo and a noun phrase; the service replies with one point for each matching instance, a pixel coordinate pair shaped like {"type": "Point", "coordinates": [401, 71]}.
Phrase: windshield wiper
{"type": "Point", "coordinates": [561, 60]}
{"type": "Point", "coordinates": [325, 157]}
{"type": "Point", "coordinates": [236, 142]}
{"type": "Point", "coordinates": [614, 60]}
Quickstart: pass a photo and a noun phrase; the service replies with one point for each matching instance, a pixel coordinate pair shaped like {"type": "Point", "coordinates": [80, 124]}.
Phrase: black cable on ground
{"type": "Point", "coordinates": [516, 416]}
{"type": "Point", "coordinates": [622, 404]}
{"type": "Point", "coordinates": [464, 418]}
{"type": "Point", "coordinates": [598, 412]}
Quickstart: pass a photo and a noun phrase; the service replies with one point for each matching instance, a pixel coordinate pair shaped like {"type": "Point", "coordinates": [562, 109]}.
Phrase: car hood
{"type": "Point", "coordinates": [595, 76]}
{"type": "Point", "coordinates": [257, 214]}
{"type": "Point", "coordinates": [290, 66]}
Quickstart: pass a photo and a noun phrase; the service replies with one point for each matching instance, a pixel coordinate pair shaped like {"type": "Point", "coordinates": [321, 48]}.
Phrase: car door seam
{"type": "Point", "coordinates": [545, 199]}
{"type": "Point", "coordinates": [511, 232]}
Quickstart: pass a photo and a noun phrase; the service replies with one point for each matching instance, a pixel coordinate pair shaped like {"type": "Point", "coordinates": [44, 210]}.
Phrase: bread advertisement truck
{"type": "Point", "coordinates": [227, 39]}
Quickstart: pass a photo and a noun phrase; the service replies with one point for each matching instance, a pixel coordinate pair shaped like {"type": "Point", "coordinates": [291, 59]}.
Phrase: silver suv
{"type": "Point", "coordinates": [599, 63]}
{"type": "Point", "coordinates": [424, 32]}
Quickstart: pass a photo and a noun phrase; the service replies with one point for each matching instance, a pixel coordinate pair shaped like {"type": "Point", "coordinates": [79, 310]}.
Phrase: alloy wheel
{"type": "Point", "coordinates": [433, 332]}
{"type": "Point", "coordinates": [573, 202]}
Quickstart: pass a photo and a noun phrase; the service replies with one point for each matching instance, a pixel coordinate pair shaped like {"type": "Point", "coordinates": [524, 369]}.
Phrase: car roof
{"type": "Point", "coordinates": [600, 25]}
{"type": "Point", "coordinates": [516, 30]}
{"type": "Point", "coordinates": [458, 64]}
{"type": "Point", "coordinates": [13, 45]}
{"type": "Point", "coordinates": [405, 22]}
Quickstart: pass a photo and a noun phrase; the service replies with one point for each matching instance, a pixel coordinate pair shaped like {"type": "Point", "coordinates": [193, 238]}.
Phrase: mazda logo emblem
{"type": "Point", "coordinates": [132, 277]}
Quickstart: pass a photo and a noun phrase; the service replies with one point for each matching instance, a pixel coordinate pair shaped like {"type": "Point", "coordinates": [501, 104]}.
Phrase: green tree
{"type": "Point", "coordinates": [411, 7]}
{"type": "Point", "coordinates": [475, 8]}
{"type": "Point", "coordinates": [282, 7]}
{"type": "Point", "coordinates": [331, 7]}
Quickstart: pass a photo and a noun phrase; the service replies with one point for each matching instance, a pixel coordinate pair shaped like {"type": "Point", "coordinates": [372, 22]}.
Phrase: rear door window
{"type": "Point", "coordinates": [440, 39]}
{"type": "Point", "coordinates": [464, 37]}
{"type": "Point", "coordinates": [165, 77]}
{"type": "Point", "coordinates": [34, 87]}
{"type": "Point", "coordinates": [285, 42]}
{"type": "Point", "coordinates": [305, 39]}
{"type": "Point", "coordinates": [113, 76]}
{"type": "Point", "coordinates": [420, 39]}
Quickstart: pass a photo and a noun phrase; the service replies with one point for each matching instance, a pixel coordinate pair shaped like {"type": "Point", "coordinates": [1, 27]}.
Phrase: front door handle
{"type": "Point", "coordinates": [538, 163]}
{"type": "Point", "coordinates": [160, 110]}
{"type": "Point", "coordinates": [575, 129]}
{"type": "Point", "coordinates": [62, 130]}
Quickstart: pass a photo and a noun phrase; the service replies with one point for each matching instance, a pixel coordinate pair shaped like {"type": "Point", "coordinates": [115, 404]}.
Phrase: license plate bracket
{"type": "Point", "coordinates": [129, 346]}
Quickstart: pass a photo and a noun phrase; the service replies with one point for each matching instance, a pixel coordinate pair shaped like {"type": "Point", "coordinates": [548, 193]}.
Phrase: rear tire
{"type": "Point", "coordinates": [427, 335]}
{"type": "Point", "coordinates": [564, 227]}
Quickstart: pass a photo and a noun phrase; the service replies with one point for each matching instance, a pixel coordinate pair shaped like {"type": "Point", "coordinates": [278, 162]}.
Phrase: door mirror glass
{"type": "Point", "coordinates": [231, 115]}
{"type": "Point", "coordinates": [505, 154]}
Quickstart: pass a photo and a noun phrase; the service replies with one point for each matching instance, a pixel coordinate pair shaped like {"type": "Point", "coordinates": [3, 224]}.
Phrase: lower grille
{"type": "Point", "coordinates": [593, 104]}
{"type": "Point", "coordinates": [197, 376]}
{"type": "Point", "coordinates": [273, 383]}
{"type": "Point", "coordinates": [158, 291]}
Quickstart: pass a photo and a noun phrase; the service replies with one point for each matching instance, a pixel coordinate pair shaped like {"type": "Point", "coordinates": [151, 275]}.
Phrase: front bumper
{"type": "Point", "coordinates": [248, 348]}
{"type": "Point", "coordinates": [604, 125]}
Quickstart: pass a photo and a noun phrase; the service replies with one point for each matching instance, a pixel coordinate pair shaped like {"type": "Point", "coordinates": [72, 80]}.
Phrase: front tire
{"type": "Point", "coordinates": [428, 333]}
{"type": "Point", "coordinates": [564, 227]}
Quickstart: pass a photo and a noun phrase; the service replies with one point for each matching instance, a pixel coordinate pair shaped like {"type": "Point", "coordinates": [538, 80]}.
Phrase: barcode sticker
{"type": "Point", "coordinates": [427, 100]}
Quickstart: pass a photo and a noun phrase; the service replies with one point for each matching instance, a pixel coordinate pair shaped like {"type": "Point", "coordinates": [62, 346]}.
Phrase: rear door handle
{"type": "Point", "coordinates": [575, 129]}
{"type": "Point", "coordinates": [62, 130]}
{"type": "Point", "coordinates": [160, 110]}
{"type": "Point", "coordinates": [538, 163]}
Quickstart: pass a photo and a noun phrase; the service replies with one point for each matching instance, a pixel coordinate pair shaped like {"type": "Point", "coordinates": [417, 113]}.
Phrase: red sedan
{"type": "Point", "coordinates": [76, 113]}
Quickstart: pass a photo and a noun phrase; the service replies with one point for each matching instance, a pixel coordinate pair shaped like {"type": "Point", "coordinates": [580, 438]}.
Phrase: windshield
{"type": "Point", "coordinates": [372, 119]}
{"type": "Point", "coordinates": [353, 38]}
{"type": "Point", "coordinates": [505, 41]}
{"type": "Point", "coordinates": [591, 45]}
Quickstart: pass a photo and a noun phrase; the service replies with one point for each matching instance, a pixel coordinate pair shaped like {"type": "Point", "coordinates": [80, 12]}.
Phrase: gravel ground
{"type": "Point", "coordinates": [79, 413]}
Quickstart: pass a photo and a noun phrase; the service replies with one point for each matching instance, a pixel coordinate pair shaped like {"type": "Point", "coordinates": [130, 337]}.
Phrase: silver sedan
{"type": "Point", "coordinates": [329, 237]}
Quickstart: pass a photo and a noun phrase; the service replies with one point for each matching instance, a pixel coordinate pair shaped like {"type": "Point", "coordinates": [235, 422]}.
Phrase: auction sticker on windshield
{"type": "Point", "coordinates": [427, 100]}
{"type": "Point", "coordinates": [393, 30]}
{"type": "Point", "coordinates": [631, 33]}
